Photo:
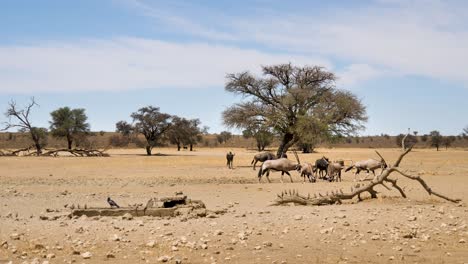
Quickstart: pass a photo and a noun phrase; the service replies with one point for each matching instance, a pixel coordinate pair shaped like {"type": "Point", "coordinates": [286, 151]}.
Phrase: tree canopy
{"type": "Point", "coordinates": [436, 139]}
{"type": "Point", "coordinates": [153, 124]}
{"type": "Point", "coordinates": [185, 132]}
{"type": "Point", "coordinates": [262, 135]}
{"type": "Point", "coordinates": [291, 100]}
{"type": "Point", "coordinates": [69, 124]}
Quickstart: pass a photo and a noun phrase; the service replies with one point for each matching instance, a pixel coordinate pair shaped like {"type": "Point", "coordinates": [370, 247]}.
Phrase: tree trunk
{"type": "Point", "coordinates": [38, 148]}
{"type": "Point", "coordinates": [191, 147]}
{"type": "Point", "coordinates": [70, 141]}
{"type": "Point", "coordinates": [178, 146]}
{"type": "Point", "coordinates": [148, 150]}
{"type": "Point", "coordinates": [37, 144]}
{"type": "Point", "coordinates": [286, 142]}
{"type": "Point", "coordinates": [259, 147]}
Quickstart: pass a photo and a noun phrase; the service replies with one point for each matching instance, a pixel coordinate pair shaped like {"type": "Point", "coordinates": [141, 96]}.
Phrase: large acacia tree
{"type": "Point", "coordinates": [153, 124]}
{"type": "Point", "coordinates": [293, 101]}
{"type": "Point", "coordinates": [69, 124]}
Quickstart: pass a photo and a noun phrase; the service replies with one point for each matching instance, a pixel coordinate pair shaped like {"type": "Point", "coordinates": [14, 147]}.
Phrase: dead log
{"type": "Point", "coordinates": [78, 152]}
{"type": "Point", "coordinates": [16, 152]}
{"type": "Point", "coordinates": [338, 197]}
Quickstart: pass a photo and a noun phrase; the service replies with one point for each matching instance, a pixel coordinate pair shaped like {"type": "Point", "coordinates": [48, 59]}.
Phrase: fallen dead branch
{"type": "Point", "coordinates": [338, 196]}
{"type": "Point", "coordinates": [78, 152]}
{"type": "Point", "coordinates": [56, 152]}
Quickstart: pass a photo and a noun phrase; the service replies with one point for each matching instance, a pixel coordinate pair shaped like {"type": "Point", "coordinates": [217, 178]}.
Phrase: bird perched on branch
{"type": "Point", "coordinates": [112, 203]}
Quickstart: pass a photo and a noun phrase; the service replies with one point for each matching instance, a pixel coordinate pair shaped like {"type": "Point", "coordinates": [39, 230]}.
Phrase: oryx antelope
{"type": "Point", "coordinates": [307, 169]}
{"type": "Point", "coordinates": [321, 165]}
{"type": "Point", "coordinates": [334, 170]}
{"type": "Point", "coordinates": [230, 159]}
{"type": "Point", "coordinates": [282, 164]}
{"type": "Point", "coordinates": [263, 156]}
{"type": "Point", "coordinates": [367, 165]}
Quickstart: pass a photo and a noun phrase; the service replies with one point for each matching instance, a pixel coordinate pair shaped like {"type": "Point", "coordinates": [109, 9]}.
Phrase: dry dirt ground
{"type": "Point", "coordinates": [390, 229]}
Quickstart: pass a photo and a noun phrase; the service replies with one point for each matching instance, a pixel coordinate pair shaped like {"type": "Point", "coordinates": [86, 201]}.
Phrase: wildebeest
{"type": "Point", "coordinates": [321, 165]}
{"type": "Point", "coordinates": [263, 156]}
{"type": "Point", "coordinates": [367, 165]}
{"type": "Point", "coordinates": [282, 164]}
{"type": "Point", "coordinates": [230, 159]}
{"type": "Point", "coordinates": [334, 170]}
{"type": "Point", "coordinates": [307, 169]}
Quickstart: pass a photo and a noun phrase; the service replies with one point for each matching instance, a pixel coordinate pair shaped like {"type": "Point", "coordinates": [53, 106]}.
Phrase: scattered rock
{"type": "Point", "coordinates": [298, 217]}
{"type": "Point", "coordinates": [127, 216]}
{"type": "Point", "coordinates": [151, 244]}
{"type": "Point", "coordinates": [267, 244]}
{"type": "Point", "coordinates": [326, 230]}
{"type": "Point", "coordinates": [15, 236]}
{"type": "Point", "coordinates": [163, 259]}
{"type": "Point", "coordinates": [87, 255]}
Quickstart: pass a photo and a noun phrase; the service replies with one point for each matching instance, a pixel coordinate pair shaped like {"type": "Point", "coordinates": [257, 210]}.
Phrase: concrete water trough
{"type": "Point", "coordinates": [159, 207]}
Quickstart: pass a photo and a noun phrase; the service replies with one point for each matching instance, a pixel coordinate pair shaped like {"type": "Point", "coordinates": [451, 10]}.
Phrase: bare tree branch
{"type": "Point", "coordinates": [337, 197]}
{"type": "Point", "coordinates": [426, 187]}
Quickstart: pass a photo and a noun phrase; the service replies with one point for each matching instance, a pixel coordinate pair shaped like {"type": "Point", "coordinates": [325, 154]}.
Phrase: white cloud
{"type": "Point", "coordinates": [416, 40]}
{"type": "Point", "coordinates": [355, 74]}
{"type": "Point", "coordinates": [414, 37]}
{"type": "Point", "coordinates": [128, 63]}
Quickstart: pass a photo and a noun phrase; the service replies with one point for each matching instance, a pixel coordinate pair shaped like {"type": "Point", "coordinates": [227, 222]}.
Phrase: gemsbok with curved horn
{"type": "Point", "coordinates": [283, 164]}
{"type": "Point", "coordinates": [367, 165]}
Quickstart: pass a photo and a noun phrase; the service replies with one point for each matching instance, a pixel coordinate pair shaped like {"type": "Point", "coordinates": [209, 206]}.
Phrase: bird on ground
{"type": "Point", "coordinates": [112, 203]}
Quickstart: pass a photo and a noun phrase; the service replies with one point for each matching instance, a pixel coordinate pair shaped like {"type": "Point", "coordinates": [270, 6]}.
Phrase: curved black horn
{"type": "Point", "coordinates": [297, 157]}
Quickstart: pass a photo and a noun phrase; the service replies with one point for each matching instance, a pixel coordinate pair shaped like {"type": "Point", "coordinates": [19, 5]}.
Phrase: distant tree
{"type": "Point", "coordinates": [194, 133]}
{"type": "Point", "coordinates": [20, 118]}
{"type": "Point", "coordinates": [263, 135]}
{"type": "Point", "coordinates": [153, 124]}
{"type": "Point", "coordinates": [436, 139]}
{"type": "Point", "coordinates": [415, 133]}
{"type": "Point", "coordinates": [224, 136]}
{"type": "Point", "coordinates": [285, 95]}
{"type": "Point", "coordinates": [447, 141]}
{"type": "Point", "coordinates": [178, 131]}
{"type": "Point", "coordinates": [424, 137]}
{"type": "Point", "coordinates": [69, 124]}
{"type": "Point", "coordinates": [119, 140]}
{"type": "Point", "coordinates": [465, 133]}
{"type": "Point", "coordinates": [124, 128]}
{"type": "Point", "coordinates": [185, 132]}
{"type": "Point", "coordinates": [410, 140]}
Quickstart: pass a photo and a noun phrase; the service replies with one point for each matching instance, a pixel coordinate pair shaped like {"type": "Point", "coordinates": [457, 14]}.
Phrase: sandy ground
{"type": "Point", "coordinates": [390, 229]}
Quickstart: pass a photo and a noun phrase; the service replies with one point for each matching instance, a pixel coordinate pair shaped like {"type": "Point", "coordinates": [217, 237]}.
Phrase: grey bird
{"type": "Point", "coordinates": [112, 203]}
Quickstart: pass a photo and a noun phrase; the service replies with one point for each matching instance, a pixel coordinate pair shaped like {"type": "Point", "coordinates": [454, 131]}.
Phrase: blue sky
{"type": "Point", "coordinates": [406, 59]}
